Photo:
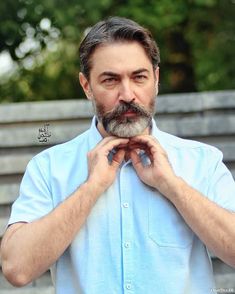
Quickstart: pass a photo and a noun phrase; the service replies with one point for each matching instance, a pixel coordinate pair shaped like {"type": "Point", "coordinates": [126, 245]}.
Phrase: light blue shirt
{"type": "Point", "coordinates": [134, 241]}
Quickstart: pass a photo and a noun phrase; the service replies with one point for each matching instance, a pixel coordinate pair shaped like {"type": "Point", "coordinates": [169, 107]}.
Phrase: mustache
{"type": "Point", "coordinates": [124, 107]}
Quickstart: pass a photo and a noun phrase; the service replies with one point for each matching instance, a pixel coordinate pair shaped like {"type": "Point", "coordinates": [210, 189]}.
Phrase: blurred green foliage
{"type": "Point", "coordinates": [196, 39]}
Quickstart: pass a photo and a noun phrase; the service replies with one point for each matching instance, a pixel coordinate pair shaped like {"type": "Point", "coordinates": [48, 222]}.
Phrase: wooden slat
{"type": "Point", "coordinates": [45, 110]}
{"type": "Point", "coordinates": [198, 126]}
{"type": "Point", "coordinates": [8, 193]}
{"type": "Point", "coordinates": [3, 225]}
{"type": "Point", "coordinates": [26, 135]}
{"type": "Point", "coordinates": [195, 102]}
{"type": "Point", "coordinates": [82, 108]}
{"type": "Point", "coordinates": [14, 163]}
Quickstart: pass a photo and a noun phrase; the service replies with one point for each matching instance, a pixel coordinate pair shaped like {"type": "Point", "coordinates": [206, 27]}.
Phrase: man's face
{"type": "Point", "coordinates": [122, 88]}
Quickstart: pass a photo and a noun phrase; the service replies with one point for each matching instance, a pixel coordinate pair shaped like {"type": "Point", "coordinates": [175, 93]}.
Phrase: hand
{"type": "Point", "coordinates": [159, 174]}
{"type": "Point", "coordinates": [101, 172]}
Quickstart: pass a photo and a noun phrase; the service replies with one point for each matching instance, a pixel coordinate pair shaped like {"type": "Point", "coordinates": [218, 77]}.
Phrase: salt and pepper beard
{"type": "Point", "coordinates": [116, 124]}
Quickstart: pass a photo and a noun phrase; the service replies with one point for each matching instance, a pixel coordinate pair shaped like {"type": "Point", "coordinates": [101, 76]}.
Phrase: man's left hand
{"type": "Point", "coordinates": [159, 173]}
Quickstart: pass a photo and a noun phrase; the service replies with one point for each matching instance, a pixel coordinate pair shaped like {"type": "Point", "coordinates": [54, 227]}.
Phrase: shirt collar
{"type": "Point", "coordinates": [155, 130]}
{"type": "Point", "coordinates": [94, 135]}
{"type": "Point", "coordinates": [160, 136]}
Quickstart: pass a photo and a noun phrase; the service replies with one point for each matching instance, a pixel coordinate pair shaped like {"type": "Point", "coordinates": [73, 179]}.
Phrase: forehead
{"type": "Point", "coordinates": [118, 57]}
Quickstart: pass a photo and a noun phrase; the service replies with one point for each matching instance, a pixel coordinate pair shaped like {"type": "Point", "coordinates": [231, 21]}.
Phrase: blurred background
{"type": "Point", "coordinates": [39, 42]}
{"type": "Point", "coordinates": [39, 61]}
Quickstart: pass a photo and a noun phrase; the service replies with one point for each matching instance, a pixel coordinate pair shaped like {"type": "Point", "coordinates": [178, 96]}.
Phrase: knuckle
{"type": "Point", "coordinates": [90, 154]}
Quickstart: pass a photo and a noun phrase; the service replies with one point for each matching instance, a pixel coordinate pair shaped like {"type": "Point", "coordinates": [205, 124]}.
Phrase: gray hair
{"type": "Point", "coordinates": [116, 29]}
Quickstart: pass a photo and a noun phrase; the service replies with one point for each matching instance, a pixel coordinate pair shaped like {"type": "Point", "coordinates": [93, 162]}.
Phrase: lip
{"type": "Point", "coordinates": [129, 113]}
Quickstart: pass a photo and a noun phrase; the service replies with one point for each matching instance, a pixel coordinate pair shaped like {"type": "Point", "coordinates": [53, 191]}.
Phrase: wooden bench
{"type": "Point", "coordinates": [208, 117]}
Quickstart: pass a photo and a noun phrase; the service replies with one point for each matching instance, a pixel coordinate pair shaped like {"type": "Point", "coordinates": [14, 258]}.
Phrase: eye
{"type": "Point", "coordinates": [110, 81]}
{"type": "Point", "coordinates": [140, 78]}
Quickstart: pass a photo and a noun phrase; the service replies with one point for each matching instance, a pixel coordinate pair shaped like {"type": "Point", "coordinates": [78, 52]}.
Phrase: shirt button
{"type": "Point", "coordinates": [127, 245]}
{"type": "Point", "coordinates": [128, 286]}
{"type": "Point", "coordinates": [126, 204]}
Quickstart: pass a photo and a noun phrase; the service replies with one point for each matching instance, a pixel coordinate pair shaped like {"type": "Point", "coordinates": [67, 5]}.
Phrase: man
{"type": "Point", "coordinates": [124, 207]}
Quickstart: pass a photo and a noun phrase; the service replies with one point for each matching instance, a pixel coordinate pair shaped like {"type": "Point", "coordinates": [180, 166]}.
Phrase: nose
{"type": "Point", "coordinates": [126, 92]}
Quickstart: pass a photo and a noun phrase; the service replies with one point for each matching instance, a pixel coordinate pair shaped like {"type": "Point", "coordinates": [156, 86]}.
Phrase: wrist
{"type": "Point", "coordinates": [171, 188]}
{"type": "Point", "coordinates": [93, 188]}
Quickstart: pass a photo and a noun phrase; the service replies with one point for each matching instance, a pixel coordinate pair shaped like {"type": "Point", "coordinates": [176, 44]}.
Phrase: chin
{"type": "Point", "coordinates": [127, 132]}
{"type": "Point", "coordinates": [128, 128]}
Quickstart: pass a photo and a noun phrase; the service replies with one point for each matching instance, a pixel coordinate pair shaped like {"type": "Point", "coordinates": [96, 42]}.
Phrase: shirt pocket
{"type": "Point", "coordinates": [166, 226]}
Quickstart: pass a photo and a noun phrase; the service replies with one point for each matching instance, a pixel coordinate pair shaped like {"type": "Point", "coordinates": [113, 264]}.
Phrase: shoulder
{"type": "Point", "coordinates": [62, 152]}
{"type": "Point", "coordinates": [186, 145]}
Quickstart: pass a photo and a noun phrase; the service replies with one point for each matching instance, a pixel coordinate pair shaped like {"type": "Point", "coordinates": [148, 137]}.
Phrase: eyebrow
{"type": "Point", "coordinates": [141, 70]}
{"type": "Point", "coordinates": [108, 73]}
{"type": "Point", "coordinates": [113, 74]}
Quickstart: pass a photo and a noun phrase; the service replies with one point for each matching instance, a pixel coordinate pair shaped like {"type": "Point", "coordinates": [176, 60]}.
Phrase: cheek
{"type": "Point", "coordinates": [104, 103]}
{"type": "Point", "coordinates": [106, 98]}
{"type": "Point", "coordinates": [147, 96]}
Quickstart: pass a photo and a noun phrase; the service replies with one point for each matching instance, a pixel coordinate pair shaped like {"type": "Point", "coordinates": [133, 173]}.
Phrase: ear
{"type": "Point", "coordinates": [156, 72]}
{"type": "Point", "coordinates": [85, 86]}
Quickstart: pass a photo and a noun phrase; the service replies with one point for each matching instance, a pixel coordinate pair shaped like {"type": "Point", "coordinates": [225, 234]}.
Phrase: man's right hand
{"type": "Point", "coordinates": [102, 172]}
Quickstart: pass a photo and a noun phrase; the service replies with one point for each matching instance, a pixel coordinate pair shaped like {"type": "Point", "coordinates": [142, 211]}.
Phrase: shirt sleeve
{"type": "Point", "coordinates": [221, 188]}
{"type": "Point", "coordinates": [35, 199]}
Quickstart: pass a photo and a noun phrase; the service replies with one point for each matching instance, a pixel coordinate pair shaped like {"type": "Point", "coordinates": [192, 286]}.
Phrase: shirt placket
{"type": "Point", "coordinates": [126, 228]}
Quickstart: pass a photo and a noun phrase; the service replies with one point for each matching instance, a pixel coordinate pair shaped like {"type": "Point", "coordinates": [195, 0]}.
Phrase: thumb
{"type": "Point", "coordinates": [118, 158]}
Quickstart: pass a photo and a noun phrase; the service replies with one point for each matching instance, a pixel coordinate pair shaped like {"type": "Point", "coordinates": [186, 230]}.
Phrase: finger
{"type": "Point", "coordinates": [147, 148]}
{"type": "Point", "coordinates": [106, 140]}
{"type": "Point", "coordinates": [108, 144]}
{"type": "Point", "coordinates": [118, 158]}
{"type": "Point", "coordinates": [115, 145]}
{"type": "Point", "coordinates": [138, 150]}
{"type": "Point", "coordinates": [137, 145]}
{"type": "Point", "coordinates": [136, 161]}
{"type": "Point", "coordinates": [145, 139]}
{"type": "Point", "coordinates": [150, 142]}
